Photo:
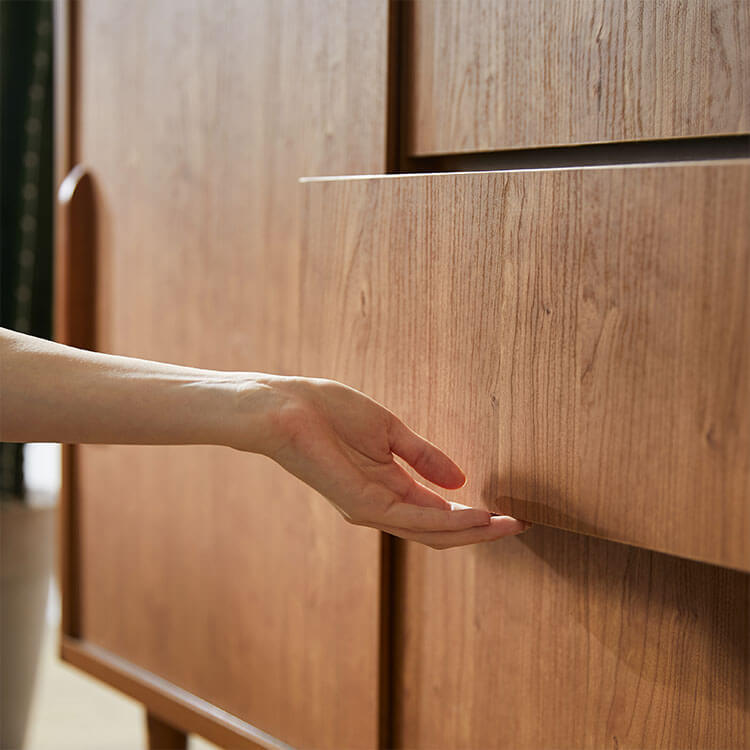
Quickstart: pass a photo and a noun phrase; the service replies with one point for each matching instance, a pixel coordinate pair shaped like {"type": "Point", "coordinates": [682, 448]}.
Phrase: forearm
{"type": "Point", "coordinates": [55, 393]}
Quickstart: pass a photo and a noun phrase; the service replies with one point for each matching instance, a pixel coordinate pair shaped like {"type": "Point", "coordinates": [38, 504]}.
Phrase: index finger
{"type": "Point", "coordinates": [426, 458]}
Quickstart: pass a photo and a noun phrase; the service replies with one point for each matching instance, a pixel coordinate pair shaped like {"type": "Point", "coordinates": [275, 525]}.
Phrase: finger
{"type": "Point", "coordinates": [419, 518]}
{"type": "Point", "coordinates": [425, 457]}
{"type": "Point", "coordinates": [499, 527]}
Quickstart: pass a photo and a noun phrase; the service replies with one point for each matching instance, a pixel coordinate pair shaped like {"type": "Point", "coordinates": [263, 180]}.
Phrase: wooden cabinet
{"type": "Point", "coordinates": [486, 75]}
{"type": "Point", "coordinates": [576, 338]}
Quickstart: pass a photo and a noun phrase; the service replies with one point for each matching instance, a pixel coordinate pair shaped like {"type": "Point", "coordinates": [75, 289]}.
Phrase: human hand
{"type": "Point", "coordinates": [342, 443]}
{"type": "Point", "coordinates": [334, 438]}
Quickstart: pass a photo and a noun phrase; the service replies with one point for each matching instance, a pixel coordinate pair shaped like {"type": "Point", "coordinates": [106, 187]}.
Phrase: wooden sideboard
{"type": "Point", "coordinates": [575, 336]}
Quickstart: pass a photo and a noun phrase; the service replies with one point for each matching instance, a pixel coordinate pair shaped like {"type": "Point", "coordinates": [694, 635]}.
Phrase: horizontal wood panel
{"type": "Point", "coordinates": [172, 704]}
{"type": "Point", "coordinates": [214, 570]}
{"type": "Point", "coordinates": [556, 640]}
{"type": "Point", "coordinates": [576, 339]}
{"type": "Point", "coordinates": [487, 75]}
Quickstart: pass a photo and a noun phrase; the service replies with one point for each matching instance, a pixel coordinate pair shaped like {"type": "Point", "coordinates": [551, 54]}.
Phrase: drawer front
{"type": "Point", "coordinates": [577, 339]}
{"type": "Point", "coordinates": [501, 74]}
{"type": "Point", "coordinates": [556, 640]}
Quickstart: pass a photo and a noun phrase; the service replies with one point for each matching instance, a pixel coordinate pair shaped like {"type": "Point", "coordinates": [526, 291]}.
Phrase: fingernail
{"type": "Point", "coordinates": [526, 526]}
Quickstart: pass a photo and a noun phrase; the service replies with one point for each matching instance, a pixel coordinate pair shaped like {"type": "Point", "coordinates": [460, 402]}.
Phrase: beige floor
{"type": "Point", "coordinates": [72, 711]}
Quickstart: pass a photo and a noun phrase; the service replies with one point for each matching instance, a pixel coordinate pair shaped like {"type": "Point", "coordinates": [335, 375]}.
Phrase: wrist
{"type": "Point", "coordinates": [257, 399]}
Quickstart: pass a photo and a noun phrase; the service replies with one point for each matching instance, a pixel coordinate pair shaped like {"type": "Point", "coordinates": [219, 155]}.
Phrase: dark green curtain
{"type": "Point", "coordinates": [26, 186]}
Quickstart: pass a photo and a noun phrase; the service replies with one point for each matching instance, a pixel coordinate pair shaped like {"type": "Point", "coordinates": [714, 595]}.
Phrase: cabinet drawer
{"type": "Point", "coordinates": [501, 74]}
{"type": "Point", "coordinates": [577, 339]}
{"type": "Point", "coordinates": [553, 640]}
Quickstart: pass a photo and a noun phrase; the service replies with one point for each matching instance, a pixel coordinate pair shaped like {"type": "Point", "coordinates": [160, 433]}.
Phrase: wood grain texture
{"type": "Point", "coordinates": [575, 339]}
{"type": "Point", "coordinates": [499, 74]}
{"type": "Point", "coordinates": [557, 640]}
{"type": "Point", "coordinates": [215, 570]}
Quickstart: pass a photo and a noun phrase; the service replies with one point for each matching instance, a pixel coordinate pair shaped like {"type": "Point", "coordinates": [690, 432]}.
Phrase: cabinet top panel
{"type": "Point", "coordinates": [488, 75]}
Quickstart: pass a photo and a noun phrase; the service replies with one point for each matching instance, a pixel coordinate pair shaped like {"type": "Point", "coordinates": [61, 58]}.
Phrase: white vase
{"type": "Point", "coordinates": [27, 551]}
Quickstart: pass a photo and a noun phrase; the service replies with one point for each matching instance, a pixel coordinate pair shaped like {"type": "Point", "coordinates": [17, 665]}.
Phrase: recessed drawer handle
{"type": "Point", "coordinates": [75, 260]}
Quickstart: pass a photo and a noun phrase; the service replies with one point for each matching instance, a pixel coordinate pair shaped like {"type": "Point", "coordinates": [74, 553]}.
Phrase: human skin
{"type": "Point", "coordinates": [334, 438]}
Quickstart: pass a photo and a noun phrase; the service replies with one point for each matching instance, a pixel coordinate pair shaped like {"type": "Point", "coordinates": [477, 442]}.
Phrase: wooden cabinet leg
{"type": "Point", "coordinates": [162, 736]}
